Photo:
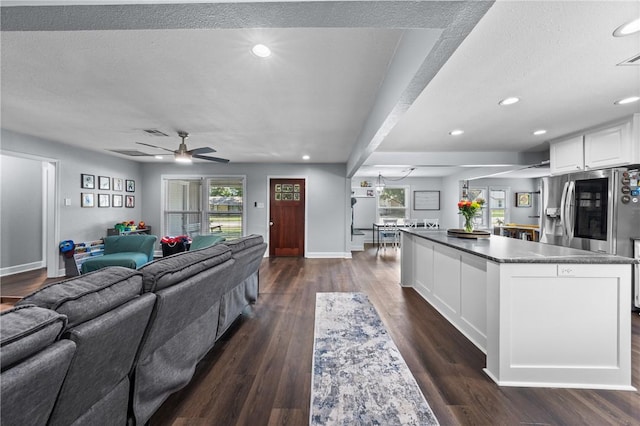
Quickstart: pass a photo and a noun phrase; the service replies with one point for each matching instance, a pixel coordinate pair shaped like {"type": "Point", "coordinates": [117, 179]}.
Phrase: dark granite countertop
{"type": "Point", "coordinates": [510, 250]}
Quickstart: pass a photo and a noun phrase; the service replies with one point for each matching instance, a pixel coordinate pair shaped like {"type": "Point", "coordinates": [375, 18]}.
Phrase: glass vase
{"type": "Point", "coordinates": [468, 224]}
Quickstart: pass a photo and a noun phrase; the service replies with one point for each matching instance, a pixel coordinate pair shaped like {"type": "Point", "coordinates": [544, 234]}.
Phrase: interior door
{"type": "Point", "coordinates": [286, 217]}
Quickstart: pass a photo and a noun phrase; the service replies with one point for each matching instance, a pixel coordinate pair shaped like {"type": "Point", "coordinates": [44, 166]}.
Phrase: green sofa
{"type": "Point", "coordinates": [130, 251]}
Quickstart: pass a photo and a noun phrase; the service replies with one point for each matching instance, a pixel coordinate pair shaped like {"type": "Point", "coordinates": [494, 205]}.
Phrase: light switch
{"type": "Point", "coordinates": [67, 201]}
{"type": "Point", "coordinates": [260, 205]}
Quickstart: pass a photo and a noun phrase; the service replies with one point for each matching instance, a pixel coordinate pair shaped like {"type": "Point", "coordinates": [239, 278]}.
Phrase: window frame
{"type": "Point", "coordinates": [204, 211]}
{"type": "Point", "coordinates": [407, 200]}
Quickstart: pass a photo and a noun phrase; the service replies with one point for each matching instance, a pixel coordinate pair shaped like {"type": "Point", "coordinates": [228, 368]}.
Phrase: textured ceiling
{"type": "Point", "coordinates": [347, 79]}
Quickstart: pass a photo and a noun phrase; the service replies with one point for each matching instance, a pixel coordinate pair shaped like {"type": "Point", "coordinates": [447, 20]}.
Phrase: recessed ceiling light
{"type": "Point", "coordinates": [629, 100]}
{"type": "Point", "coordinates": [159, 157]}
{"type": "Point", "coordinates": [539, 132]}
{"type": "Point", "coordinates": [261, 51]}
{"type": "Point", "coordinates": [628, 28]}
{"type": "Point", "coordinates": [305, 157]}
{"type": "Point", "coordinates": [509, 101]}
{"type": "Point", "coordinates": [456, 132]}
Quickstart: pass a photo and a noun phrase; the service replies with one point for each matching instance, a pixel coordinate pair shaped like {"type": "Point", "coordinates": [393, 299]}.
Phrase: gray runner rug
{"type": "Point", "coordinates": [359, 376]}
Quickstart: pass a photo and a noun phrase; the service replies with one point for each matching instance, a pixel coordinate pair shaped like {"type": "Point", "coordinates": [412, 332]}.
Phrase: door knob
{"type": "Point", "coordinates": [270, 223]}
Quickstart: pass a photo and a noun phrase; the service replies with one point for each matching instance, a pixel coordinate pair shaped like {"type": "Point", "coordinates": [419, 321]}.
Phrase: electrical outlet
{"type": "Point", "coordinates": [566, 271]}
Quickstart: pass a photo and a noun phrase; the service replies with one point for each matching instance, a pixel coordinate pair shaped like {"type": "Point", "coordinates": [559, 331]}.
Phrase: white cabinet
{"type": "Point", "coordinates": [617, 144]}
{"type": "Point", "coordinates": [608, 147]}
{"type": "Point", "coordinates": [567, 156]}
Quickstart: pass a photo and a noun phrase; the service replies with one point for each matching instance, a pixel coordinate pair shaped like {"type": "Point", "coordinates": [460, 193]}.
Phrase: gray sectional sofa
{"type": "Point", "coordinates": [123, 340]}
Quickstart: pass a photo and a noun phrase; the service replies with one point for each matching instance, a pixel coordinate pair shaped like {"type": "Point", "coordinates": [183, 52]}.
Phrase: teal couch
{"type": "Point", "coordinates": [204, 241]}
{"type": "Point", "coordinates": [130, 251]}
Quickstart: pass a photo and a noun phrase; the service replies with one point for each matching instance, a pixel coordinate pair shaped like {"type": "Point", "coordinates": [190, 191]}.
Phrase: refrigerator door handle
{"type": "Point", "coordinates": [569, 209]}
{"type": "Point", "coordinates": [563, 213]}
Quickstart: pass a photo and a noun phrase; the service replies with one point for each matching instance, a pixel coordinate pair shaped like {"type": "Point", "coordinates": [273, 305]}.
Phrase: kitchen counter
{"type": "Point", "coordinates": [546, 316]}
{"type": "Point", "coordinates": [509, 250]}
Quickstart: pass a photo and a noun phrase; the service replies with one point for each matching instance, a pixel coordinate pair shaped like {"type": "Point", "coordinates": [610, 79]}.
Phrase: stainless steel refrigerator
{"type": "Point", "coordinates": [597, 210]}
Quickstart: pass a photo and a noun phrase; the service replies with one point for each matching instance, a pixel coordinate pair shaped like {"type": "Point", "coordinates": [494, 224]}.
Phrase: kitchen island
{"type": "Point", "coordinates": [544, 315]}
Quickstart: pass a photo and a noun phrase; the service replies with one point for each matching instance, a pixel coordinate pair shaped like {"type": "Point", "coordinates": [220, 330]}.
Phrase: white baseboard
{"type": "Point", "coordinates": [328, 255]}
{"type": "Point", "coordinates": [10, 270]}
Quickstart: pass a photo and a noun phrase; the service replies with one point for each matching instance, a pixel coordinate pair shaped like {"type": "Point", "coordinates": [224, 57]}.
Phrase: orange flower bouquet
{"type": "Point", "coordinates": [469, 209]}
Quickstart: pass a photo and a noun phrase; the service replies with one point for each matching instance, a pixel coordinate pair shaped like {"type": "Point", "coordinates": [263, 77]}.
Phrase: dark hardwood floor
{"type": "Point", "coordinates": [260, 373]}
{"type": "Point", "coordinates": [15, 287]}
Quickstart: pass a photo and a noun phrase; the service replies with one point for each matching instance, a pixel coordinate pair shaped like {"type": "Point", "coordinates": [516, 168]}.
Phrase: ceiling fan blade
{"type": "Point", "coordinates": [204, 157]}
{"type": "Point", "coordinates": [154, 146]}
{"type": "Point", "coordinates": [204, 150]}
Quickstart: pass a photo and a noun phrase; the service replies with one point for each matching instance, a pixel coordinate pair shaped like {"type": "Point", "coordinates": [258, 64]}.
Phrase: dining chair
{"type": "Point", "coordinates": [431, 224]}
{"type": "Point", "coordinates": [411, 223]}
{"type": "Point", "coordinates": [389, 233]}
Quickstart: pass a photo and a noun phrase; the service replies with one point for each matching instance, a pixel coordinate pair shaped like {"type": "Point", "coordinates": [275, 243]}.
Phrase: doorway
{"type": "Point", "coordinates": [286, 217]}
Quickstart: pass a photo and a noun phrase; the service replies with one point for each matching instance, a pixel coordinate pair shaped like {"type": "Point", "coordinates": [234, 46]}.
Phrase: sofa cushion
{"type": "Point", "coordinates": [204, 241]}
{"type": "Point", "coordinates": [26, 330]}
{"type": "Point", "coordinates": [127, 259]}
{"type": "Point", "coordinates": [174, 269]}
{"type": "Point", "coordinates": [89, 296]}
{"type": "Point", "coordinates": [244, 243]}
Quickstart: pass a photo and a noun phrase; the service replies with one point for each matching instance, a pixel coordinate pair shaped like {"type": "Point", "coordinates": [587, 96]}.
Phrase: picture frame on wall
{"type": "Point", "coordinates": [87, 181]}
{"type": "Point", "coordinates": [523, 199]}
{"type": "Point", "coordinates": [426, 200]}
{"type": "Point", "coordinates": [130, 185]}
{"type": "Point", "coordinates": [104, 200]}
{"type": "Point", "coordinates": [116, 200]}
{"type": "Point", "coordinates": [87, 199]}
{"type": "Point", "coordinates": [118, 184]}
{"type": "Point", "coordinates": [129, 201]}
{"type": "Point", "coordinates": [104, 183]}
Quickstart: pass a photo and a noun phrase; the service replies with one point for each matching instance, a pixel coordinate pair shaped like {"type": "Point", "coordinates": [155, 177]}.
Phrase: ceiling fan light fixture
{"type": "Point", "coordinates": [261, 51]}
{"type": "Point", "coordinates": [182, 157]}
{"type": "Point", "coordinates": [509, 101]}
{"type": "Point", "coordinates": [628, 28]}
{"type": "Point", "coordinates": [629, 100]}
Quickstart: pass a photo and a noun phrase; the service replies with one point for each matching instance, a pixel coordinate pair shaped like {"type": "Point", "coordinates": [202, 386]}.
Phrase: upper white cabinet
{"type": "Point", "coordinates": [611, 146]}
{"type": "Point", "coordinates": [567, 156]}
{"type": "Point", "coordinates": [608, 147]}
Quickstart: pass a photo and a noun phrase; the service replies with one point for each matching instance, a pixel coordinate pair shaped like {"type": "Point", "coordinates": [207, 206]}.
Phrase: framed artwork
{"type": "Point", "coordinates": [116, 200]}
{"type": "Point", "coordinates": [104, 200]}
{"type": "Point", "coordinates": [426, 200]}
{"type": "Point", "coordinates": [523, 199]}
{"type": "Point", "coordinates": [129, 201]}
{"type": "Point", "coordinates": [118, 184]}
{"type": "Point", "coordinates": [130, 185]}
{"type": "Point", "coordinates": [87, 199]}
{"type": "Point", "coordinates": [104, 182]}
{"type": "Point", "coordinates": [87, 181]}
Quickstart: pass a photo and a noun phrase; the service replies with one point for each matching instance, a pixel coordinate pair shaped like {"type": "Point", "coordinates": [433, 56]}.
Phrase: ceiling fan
{"type": "Point", "coordinates": [184, 155]}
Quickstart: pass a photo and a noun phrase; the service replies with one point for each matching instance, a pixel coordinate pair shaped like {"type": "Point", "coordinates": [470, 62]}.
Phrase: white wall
{"type": "Point", "coordinates": [76, 223]}
{"type": "Point", "coordinates": [415, 184]}
{"type": "Point", "coordinates": [521, 215]}
{"type": "Point", "coordinates": [327, 198]}
{"type": "Point", "coordinates": [21, 212]}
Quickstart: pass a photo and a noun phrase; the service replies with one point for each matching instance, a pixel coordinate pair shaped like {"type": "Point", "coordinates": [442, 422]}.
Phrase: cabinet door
{"type": "Point", "coordinates": [609, 147]}
{"type": "Point", "coordinates": [567, 156]}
